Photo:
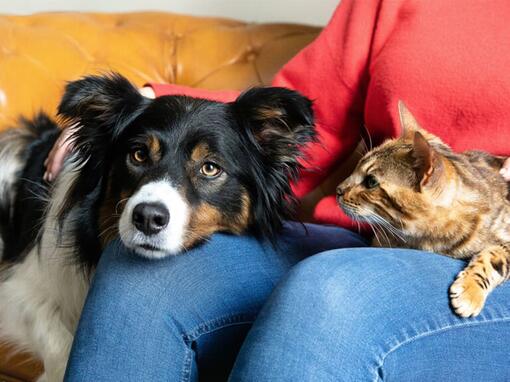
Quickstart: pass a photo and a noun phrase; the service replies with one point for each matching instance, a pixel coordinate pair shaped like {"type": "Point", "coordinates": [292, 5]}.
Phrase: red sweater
{"type": "Point", "coordinates": [448, 60]}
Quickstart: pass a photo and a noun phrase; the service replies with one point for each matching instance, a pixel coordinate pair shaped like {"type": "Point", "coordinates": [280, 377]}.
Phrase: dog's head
{"type": "Point", "coordinates": [167, 173]}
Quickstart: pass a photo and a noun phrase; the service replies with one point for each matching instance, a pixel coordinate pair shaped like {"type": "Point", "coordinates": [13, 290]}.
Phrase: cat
{"type": "Point", "coordinates": [417, 193]}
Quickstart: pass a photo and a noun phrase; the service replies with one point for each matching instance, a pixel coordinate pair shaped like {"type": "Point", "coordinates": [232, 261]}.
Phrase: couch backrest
{"type": "Point", "coordinates": [39, 53]}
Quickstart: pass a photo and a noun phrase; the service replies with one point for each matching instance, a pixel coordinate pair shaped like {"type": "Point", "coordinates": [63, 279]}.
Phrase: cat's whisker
{"type": "Point", "coordinates": [383, 223]}
{"type": "Point", "coordinates": [375, 234]}
{"type": "Point", "coordinates": [392, 230]}
{"type": "Point", "coordinates": [383, 231]}
{"type": "Point", "coordinates": [371, 145]}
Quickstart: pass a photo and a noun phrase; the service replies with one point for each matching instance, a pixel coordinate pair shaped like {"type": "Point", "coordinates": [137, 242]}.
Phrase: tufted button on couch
{"type": "Point", "coordinates": [39, 53]}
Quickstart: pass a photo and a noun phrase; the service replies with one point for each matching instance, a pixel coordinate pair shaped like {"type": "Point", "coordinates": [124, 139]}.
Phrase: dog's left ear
{"type": "Point", "coordinates": [280, 122]}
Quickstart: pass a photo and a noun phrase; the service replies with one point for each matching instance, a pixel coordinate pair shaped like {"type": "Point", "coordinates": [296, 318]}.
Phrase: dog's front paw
{"type": "Point", "coordinates": [467, 296]}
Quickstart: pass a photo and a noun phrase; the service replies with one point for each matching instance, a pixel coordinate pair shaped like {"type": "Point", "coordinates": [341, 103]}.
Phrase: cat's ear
{"type": "Point", "coordinates": [427, 162]}
{"type": "Point", "coordinates": [409, 125]}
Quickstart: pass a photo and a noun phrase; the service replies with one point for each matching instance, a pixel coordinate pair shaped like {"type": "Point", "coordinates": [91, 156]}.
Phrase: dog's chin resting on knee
{"type": "Point", "coordinates": [163, 174]}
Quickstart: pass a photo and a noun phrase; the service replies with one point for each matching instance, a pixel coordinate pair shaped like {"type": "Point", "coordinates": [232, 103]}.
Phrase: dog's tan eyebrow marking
{"type": "Point", "coordinates": [154, 147]}
{"type": "Point", "coordinates": [200, 151]}
{"type": "Point", "coordinates": [269, 113]}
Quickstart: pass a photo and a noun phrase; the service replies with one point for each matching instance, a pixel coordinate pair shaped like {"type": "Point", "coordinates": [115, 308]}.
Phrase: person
{"type": "Point", "coordinates": [238, 308]}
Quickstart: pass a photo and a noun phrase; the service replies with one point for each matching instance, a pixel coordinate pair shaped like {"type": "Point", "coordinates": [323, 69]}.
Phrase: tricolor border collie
{"type": "Point", "coordinates": [163, 174]}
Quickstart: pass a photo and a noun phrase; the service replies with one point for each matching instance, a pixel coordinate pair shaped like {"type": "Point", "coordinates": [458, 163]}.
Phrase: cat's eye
{"type": "Point", "coordinates": [139, 155]}
{"type": "Point", "coordinates": [210, 170]}
{"type": "Point", "coordinates": [370, 181]}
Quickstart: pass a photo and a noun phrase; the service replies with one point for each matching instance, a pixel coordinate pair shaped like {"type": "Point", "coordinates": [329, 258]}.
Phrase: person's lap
{"type": "Point", "coordinates": [195, 307]}
{"type": "Point", "coordinates": [334, 315]}
{"type": "Point", "coordinates": [368, 314]}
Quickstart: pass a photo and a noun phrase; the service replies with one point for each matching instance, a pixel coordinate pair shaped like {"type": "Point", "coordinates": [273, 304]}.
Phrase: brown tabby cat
{"type": "Point", "coordinates": [420, 194]}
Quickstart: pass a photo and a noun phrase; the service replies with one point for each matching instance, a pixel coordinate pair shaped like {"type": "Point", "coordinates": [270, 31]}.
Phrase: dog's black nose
{"type": "Point", "coordinates": [150, 218]}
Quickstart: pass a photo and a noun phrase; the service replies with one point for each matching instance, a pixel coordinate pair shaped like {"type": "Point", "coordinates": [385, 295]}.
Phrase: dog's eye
{"type": "Point", "coordinates": [210, 170]}
{"type": "Point", "coordinates": [139, 155]}
{"type": "Point", "coordinates": [370, 181]}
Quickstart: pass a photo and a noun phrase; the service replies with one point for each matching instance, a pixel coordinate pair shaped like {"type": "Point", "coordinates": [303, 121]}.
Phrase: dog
{"type": "Point", "coordinates": [163, 174]}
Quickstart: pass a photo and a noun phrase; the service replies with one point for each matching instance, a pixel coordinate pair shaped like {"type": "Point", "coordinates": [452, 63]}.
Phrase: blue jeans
{"type": "Point", "coordinates": [350, 314]}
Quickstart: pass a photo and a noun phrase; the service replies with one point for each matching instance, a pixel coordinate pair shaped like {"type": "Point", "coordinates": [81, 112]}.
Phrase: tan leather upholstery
{"type": "Point", "coordinates": [39, 53]}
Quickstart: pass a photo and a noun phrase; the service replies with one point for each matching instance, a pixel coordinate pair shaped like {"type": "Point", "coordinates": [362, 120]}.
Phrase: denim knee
{"type": "Point", "coordinates": [209, 275]}
{"type": "Point", "coordinates": [341, 314]}
{"type": "Point", "coordinates": [350, 281]}
{"type": "Point", "coordinates": [188, 312]}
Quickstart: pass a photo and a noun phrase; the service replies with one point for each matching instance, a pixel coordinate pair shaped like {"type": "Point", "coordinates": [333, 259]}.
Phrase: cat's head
{"type": "Point", "coordinates": [399, 180]}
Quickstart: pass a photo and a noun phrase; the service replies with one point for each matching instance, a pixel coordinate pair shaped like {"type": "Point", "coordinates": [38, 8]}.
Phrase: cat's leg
{"type": "Point", "coordinates": [486, 271]}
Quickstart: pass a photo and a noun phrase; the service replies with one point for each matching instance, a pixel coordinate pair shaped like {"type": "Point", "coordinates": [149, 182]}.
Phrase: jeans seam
{"type": "Point", "coordinates": [209, 327]}
{"type": "Point", "coordinates": [186, 372]}
{"type": "Point", "coordinates": [435, 332]}
{"type": "Point", "coordinates": [218, 323]}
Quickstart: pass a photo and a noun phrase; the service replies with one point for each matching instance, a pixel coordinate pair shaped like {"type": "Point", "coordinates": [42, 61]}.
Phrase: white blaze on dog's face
{"type": "Point", "coordinates": [154, 220]}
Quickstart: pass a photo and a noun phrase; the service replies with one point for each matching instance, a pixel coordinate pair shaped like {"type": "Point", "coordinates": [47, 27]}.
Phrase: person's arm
{"type": "Point", "coordinates": [333, 72]}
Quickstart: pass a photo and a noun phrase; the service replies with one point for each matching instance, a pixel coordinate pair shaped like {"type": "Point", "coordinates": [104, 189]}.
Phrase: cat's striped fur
{"type": "Point", "coordinates": [417, 193]}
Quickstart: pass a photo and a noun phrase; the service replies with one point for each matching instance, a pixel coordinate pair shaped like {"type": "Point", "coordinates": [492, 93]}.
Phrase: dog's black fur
{"type": "Point", "coordinates": [20, 221]}
{"type": "Point", "coordinates": [258, 138]}
{"type": "Point", "coordinates": [162, 174]}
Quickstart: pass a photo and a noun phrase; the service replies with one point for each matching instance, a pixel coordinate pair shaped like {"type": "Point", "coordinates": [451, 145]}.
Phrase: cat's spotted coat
{"type": "Point", "coordinates": [417, 193]}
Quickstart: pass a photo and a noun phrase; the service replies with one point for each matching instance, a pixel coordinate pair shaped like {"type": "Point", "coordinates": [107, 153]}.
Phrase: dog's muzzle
{"type": "Point", "coordinates": [154, 221]}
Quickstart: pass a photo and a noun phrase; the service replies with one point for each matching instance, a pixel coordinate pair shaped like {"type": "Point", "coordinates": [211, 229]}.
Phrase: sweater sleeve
{"type": "Point", "coordinates": [333, 72]}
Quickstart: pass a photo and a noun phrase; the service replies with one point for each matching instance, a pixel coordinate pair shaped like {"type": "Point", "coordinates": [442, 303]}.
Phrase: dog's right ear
{"type": "Point", "coordinates": [101, 107]}
{"type": "Point", "coordinates": [107, 102]}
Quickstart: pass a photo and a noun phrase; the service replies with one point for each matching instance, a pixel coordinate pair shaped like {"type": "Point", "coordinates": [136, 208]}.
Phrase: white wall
{"type": "Point", "coordinates": [315, 12]}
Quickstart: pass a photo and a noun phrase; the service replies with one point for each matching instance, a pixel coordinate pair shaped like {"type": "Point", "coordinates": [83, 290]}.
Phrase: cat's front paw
{"type": "Point", "coordinates": [467, 296]}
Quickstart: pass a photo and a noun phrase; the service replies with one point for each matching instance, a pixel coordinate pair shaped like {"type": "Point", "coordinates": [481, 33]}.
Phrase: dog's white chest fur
{"type": "Point", "coordinates": [42, 297]}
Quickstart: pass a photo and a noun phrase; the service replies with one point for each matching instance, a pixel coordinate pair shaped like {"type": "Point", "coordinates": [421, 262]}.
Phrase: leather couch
{"type": "Point", "coordinates": [39, 53]}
